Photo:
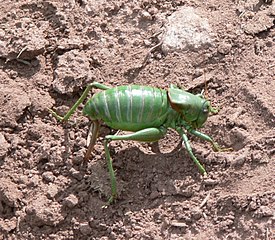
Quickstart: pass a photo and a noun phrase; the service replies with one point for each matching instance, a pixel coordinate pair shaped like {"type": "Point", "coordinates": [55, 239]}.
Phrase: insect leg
{"type": "Point", "coordinates": [93, 132]}
{"type": "Point", "coordinates": [145, 135]}
{"type": "Point", "coordinates": [207, 138]}
{"type": "Point", "coordinates": [79, 101]}
{"type": "Point", "coordinates": [111, 172]}
{"type": "Point", "coordinates": [189, 150]}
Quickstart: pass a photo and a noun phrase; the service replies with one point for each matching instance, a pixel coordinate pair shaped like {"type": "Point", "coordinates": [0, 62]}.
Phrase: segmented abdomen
{"type": "Point", "coordinates": [130, 108]}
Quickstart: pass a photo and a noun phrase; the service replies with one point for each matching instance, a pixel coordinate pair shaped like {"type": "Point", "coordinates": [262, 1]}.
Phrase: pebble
{"type": "Point", "coordinates": [78, 157]}
{"type": "Point", "coordinates": [2, 33]}
{"type": "Point", "coordinates": [240, 160]}
{"type": "Point", "coordinates": [196, 214]}
{"type": "Point", "coordinates": [175, 223]}
{"type": "Point", "coordinates": [4, 146]}
{"type": "Point", "coordinates": [264, 211]}
{"type": "Point", "coordinates": [210, 182]}
{"type": "Point", "coordinates": [48, 166]}
{"type": "Point", "coordinates": [186, 29]}
{"type": "Point", "coordinates": [146, 15]}
{"type": "Point", "coordinates": [70, 201]}
{"type": "Point", "coordinates": [76, 174]}
{"type": "Point", "coordinates": [52, 191]}
{"type": "Point", "coordinates": [48, 176]}
{"type": "Point", "coordinates": [9, 193]}
{"type": "Point", "coordinates": [186, 193]}
{"type": "Point", "coordinates": [85, 228]}
{"type": "Point", "coordinates": [224, 48]}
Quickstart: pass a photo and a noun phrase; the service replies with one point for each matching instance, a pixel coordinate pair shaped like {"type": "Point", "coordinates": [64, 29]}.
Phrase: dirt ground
{"type": "Point", "coordinates": [50, 51]}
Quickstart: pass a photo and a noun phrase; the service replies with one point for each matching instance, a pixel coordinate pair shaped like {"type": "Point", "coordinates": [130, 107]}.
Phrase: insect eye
{"type": "Point", "coordinates": [205, 109]}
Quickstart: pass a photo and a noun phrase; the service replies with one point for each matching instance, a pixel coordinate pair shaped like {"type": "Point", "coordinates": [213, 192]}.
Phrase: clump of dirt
{"type": "Point", "coordinates": [51, 50]}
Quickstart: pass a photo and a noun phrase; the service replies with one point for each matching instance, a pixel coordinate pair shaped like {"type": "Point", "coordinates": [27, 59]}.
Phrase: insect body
{"type": "Point", "coordinates": [129, 108]}
{"type": "Point", "coordinates": [145, 111]}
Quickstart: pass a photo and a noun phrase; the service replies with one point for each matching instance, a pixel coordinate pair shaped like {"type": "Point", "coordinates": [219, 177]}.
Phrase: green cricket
{"type": "Point", "coordinates": [145, 111]}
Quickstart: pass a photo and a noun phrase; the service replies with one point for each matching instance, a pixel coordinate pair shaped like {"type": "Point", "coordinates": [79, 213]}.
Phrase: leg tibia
{"type": "Point", "coordinates": [145, 135]}
{"type": "Point", "coordinates": [79, 101]}
{"type": "Point", "coordinates": [189, 150]}
{"type": "Point", "coordinates": [207, 138]}
{"type": "Point", "coordinates": [93, 132]}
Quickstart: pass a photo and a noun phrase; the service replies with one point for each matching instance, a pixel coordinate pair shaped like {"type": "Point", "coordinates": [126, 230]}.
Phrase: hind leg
{"type": "Point", "coordinates": [79, 101]}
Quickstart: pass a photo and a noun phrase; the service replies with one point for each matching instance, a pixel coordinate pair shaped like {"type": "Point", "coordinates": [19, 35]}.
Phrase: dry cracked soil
{"type": "Point", "coordinates": [50, 51]}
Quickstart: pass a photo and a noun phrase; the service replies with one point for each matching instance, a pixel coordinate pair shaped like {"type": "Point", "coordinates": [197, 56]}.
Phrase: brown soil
{"type": "Point", "coordinates": [50, 50]}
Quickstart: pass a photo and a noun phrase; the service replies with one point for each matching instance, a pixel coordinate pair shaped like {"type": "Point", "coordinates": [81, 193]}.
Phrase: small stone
{"type": "Point", "coordinates": [146, 15]}
{"type": "Point", "coordinates": [52, 191]}
{"type": "Point", "coordinates": [76, 174]}
{"type": "Point", "coordinates": [78, 157]}
{"type": "Point", "coordinates": [53, 236]}
{"type": "Point", "coordinates": [147, 43]}
{"type": "Point", "coordinates": [252, 206]}
{"type": "Point", "coordinates": [186, 29]}
{"type": "Point", "coordinates": [72, 72]}
{"type": "Point", "coordinates": [9, 193]}
{"type": "Point", "coordinates": [33, 180]}
{"type": "Point", "coordinates": [251, 74]}
{"type": "Point", "coordinates": [175, 223]}
{"type": "Point", "coordinates": [238, 138]}
{"type": "Point", "coordinates": [210, 182]}
{"type": "Point", "coordinates": [48, 176]}
{"type": "Point", "coordinates": [85, 228]}
{"type": "Point", "coordinates": [4, 146]}
{"type": "Point", "coordinates": [186, 193]}
{"type": "Point", "coordinates": [70, 201]}
{"type": "Point", "coordinates": [196, 214]}
{"type": "Point", "coordinates": [42, 211]}
{"type": "Point", "coordinates": [8, 225]}
{"type": "Point", "coordinates": [153, 10]}
{"type": "Point", "coordinates": [49, 166]}
{"type": "Point", "coordinates": [239, 161]}
{"type": "Point", "coordinates": [2, 33]}
{"type": "Point", "coordinates": [224, 48]}
{"type": "Point", "coordinates": [154, 195]}
{"type": "Point", "coordinates": [264, 211]}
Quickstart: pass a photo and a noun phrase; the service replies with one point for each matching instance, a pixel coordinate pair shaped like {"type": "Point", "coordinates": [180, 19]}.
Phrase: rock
{"type": "Point", "coordinates": [264, 211]}
{"type": "Point", "coordinates": [186, 193]}
{"type": "Point", "coordinates": [239, 160]}
{"type": "Point", "coordinates": [175, 223]}
{"type": "Point", "coordinates": [4, 147]}
{"type": "Point", "coordinates": [145, 15]}
{"type": "Point", "coordinates": [259, 22]}
{"type": "Point", "coordinates": [8, 225]}
{"type": "Point", "coordinates": [48, 176]}
{"type": "Point", "coordinates": [186, 29]}
{"type": "Point", "coordinates": [43, 211]}
{"type": "Point", "coordinates": [85, 229]}
{"type": "Point", "coordinates": [9, 193]}
{"type": "Point", "coordinates": [238, 138]}
{"type": "Point", "coordinates": [52, 191]}
{"type": "Point", "coordinates": [76, 174]}
{"type": "Point", "coordinates": [224, 48]}
{"type": "Point", "coordinates": [70, 201]}
{"type": "Point", "coordinates": [210, 182]}
{"type": "Point", "coordinates": [14, 101]}
{"type": "Point", "coordinates": [196, 214]}
{"type": "Point", "coordinates": [23, 39]}
{"type": "Point", "coordinates": [71, 73]}
{"type": "Point", "coordinates": [78, 157]}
